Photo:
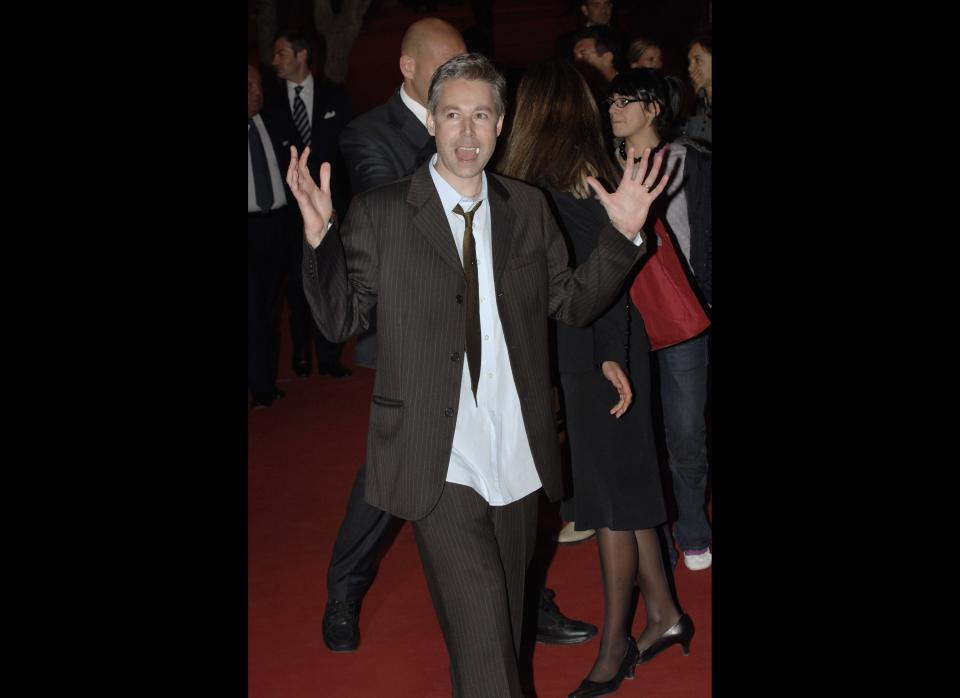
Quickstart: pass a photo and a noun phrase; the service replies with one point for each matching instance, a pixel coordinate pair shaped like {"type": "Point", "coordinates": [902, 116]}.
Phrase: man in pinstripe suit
{"type": "Point", "coordinates": [462, 450]}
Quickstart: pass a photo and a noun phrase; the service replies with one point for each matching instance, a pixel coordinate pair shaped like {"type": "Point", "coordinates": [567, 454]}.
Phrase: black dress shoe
{"type": "Point", "coordinates": [553, 628]}
{"type": "Point", "coordinates": [341, 625]}
{"type": "Point", "coordinates": [266, 399]}
{"type": "Point", "coordinates": [334, 369]}
{"type": "Point", "coordinates": [680, 632]}
{"type": "Point", "coordinates": [589, 689]}
{"type": "Point", "coordinates": [301, 367]}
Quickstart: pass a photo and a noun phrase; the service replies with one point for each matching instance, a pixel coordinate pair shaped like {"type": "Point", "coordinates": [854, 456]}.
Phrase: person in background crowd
{"type": "Point", "coordinates": [643, 112]}
{"type": "Point", "coordinates": [268, 220]}
{"type": "Point", "coordinates": [699, 127]}
{"type": "Point", "coordinates": [317, 111]}
{"type": "Point", "coordinates": [645, 53]}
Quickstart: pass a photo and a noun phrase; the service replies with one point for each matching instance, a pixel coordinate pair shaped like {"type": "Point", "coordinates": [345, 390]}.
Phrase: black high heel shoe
{"type": "Point", "coordinates": [590, 689]}
{"type": "Point", "coordinates": [680, 632]}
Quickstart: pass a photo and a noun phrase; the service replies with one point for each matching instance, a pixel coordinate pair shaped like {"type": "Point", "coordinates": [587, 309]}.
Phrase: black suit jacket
{"type": "Point", "coordinates": [331, 113]}
{"type": "Point", "coordinates": [384, 145]}
{"type": "Point", "coordinates": [396, 251]}
{"type": "Point", "coordinates": [282, 136]}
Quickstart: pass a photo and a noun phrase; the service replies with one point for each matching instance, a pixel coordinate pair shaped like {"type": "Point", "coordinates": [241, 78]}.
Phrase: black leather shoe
{"type": "Point", "coordinates": [301, 367]}
{"type": "Point", "coordinates": [553, 628]}
{"type": "Point", "coordinates": [589, 689]}
{"type": "Point", "coordinates": [335, 369]}
{"type": "Point", "coordinates": [679, 633]}
{"type": "Point", "coordinates": [341, 625]}
{"type": "Point", "coordinates": [266, 399]}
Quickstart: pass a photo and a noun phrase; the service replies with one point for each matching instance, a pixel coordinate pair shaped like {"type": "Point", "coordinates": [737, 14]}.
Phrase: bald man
{"type": "Point", "coordinates": [391, 140]}
{"type": "Point", "coordinates": [385, 144]}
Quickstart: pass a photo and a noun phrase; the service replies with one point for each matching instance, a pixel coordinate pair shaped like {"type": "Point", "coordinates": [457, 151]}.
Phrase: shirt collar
{"type": "Point", "coordinates": [307, 86]}
{"type": "Point", "coordinates": [418, 109]}
{"type": "Point", "coordinates": [450, 197]}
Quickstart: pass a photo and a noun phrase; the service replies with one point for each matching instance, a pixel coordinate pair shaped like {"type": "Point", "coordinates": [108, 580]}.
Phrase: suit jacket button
{"type": "Point", "coordinates": [454, 357]}
{"type": "Point", "coordinates": [448, 411]}
{"type": "Point", "coordinates": [459, 298]}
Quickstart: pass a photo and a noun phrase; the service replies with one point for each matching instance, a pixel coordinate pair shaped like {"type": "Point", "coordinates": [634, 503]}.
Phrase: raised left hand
{"type": "Point", "coordinates": [628, 206]}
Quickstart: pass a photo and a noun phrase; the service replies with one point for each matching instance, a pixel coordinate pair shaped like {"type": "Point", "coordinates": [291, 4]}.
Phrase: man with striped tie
{"type": "Point", "coordinates": [319, 110]}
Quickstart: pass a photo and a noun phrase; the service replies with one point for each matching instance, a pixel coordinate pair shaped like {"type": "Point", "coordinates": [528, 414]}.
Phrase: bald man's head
{"type": "Point", "coordinates": [427, 44]}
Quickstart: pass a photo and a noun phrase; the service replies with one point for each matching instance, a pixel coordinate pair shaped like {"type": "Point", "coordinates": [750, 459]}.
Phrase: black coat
{"type": "Point", "coordinates": [383, 145]}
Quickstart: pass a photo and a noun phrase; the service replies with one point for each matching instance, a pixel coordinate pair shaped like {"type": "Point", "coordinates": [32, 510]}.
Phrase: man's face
{"type": "Point", "coordinates": [597, 11]}
{"type": "Point", "coordinates": [631, 119]}
{"type": "Point", "coordinates": [431, 56]}
{"type": "Point", "coordinates": [585, 51]}
{"type": "Point", "coordinates": [465, 125]}
{"type": "Point", "coordinates": [700, 67]}
{"type": "Point", "coordinates": [650, 58]}
{"type": "Point", "coordinates": [254, 91]}
{"type": "Point", "coordinates": [286, 61]}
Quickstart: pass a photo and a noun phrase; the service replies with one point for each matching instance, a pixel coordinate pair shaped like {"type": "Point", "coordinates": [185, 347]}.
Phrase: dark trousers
{"type": "Point", "coordinates": [475, 558]}
{"type": "Point", "coordinates": [364, 535]}
{"type": "Point", "coordinates": [683, 393]}
{"type": "Point", "coordinates": [266, 239]}
{"type": "Point", "coordinates": [303, 327]}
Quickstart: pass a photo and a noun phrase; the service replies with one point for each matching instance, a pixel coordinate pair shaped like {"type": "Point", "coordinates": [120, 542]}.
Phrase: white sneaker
{"type": "Point", "coordinates": [698, 559]}
{"type": "Point", "coordinates": [567, 534]}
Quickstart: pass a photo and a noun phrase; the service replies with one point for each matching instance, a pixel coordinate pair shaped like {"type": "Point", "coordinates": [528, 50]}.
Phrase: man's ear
{"type": "Point", "coordinates": [432, 127]}
{"type": "Point", "coordinates": [407, 66]}
{"type": "Point", "coordinates": [500, 124]}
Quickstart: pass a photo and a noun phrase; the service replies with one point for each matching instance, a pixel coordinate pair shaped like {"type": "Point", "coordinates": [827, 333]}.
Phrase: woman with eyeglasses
{"type": "Point", "coordinates": [556, 142]}
{"type": "Point", "coordinates": [643, 108]}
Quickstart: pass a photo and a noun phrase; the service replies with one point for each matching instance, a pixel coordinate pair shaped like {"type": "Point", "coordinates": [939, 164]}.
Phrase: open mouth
{"type": "Point", "coordinates": [468, 153]}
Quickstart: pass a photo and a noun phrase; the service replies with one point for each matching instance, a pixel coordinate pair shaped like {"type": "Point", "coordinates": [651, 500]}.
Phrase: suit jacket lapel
{"type": "Point", "coordinates": [406, 123]}
{"type": "Point", "coordinates": [501, 225]}
{"type": "Point", "coordinates": [430, 218]}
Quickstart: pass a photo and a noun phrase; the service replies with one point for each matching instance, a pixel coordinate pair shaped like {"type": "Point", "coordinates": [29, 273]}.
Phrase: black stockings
{"type": "Point", "coordinates": [629, 558]}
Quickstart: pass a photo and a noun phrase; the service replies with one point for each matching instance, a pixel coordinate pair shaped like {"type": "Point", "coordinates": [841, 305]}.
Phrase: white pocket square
{"type": "Point", "coordinates": [330, 114]}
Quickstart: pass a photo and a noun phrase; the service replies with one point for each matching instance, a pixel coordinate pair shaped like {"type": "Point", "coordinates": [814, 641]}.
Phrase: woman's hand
{"type": "Point", "coordinates": [616, 375]}
{"type": "Point", "coordinates": [316, 205]}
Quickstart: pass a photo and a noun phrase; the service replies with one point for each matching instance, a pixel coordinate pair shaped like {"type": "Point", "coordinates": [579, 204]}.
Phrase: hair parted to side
{"type": "Point", "coordinates": [705, 40]}
{"type": "Point", "coordinates": [468, 66]}
{"type": "Point", "coordinates": [557, 134]}
{"type": "Point", "coordinates": [298, 41]}
{"type": "Point", "coordinates": [650, 86]}
{"type": "Point", "coordinates": [638, 46]}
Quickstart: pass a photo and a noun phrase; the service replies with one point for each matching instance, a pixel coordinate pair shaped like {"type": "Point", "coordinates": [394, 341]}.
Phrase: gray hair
{"type": "Point", "coordinates": [469, 66]}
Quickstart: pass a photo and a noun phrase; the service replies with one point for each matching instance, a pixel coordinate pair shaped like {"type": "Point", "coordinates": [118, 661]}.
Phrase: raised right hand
{"type": "Point", "coordinates": [316, 204]}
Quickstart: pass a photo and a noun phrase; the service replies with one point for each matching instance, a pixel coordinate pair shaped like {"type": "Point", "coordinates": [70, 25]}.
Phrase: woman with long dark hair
{"type": "Point", "coordinates": [557, 143]}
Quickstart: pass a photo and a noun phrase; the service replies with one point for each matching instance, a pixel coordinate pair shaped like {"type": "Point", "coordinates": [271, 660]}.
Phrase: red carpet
{"type": "Point", "coordinates": [303, 456]}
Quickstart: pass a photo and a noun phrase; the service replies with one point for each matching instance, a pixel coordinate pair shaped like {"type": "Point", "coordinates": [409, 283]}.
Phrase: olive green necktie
{"type": "Point", "coordinates": [473, 296]}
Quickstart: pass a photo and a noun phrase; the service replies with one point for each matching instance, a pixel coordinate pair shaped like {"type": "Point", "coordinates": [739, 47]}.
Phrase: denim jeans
{"type": "Point", "coordinates": [683, 394]}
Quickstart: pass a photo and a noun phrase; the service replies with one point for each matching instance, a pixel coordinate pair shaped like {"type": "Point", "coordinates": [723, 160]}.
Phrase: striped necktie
{"type": "Point", "coordinates": [300, 117]}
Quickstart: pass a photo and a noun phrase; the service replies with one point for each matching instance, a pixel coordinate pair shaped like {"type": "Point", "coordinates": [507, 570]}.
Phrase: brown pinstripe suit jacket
{"type": "Point", "coordinates": [396, 251]}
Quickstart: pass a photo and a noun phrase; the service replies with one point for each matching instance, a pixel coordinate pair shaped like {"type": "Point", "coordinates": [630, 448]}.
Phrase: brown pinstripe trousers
{"type": "Point", "coordinates": [475, 557]}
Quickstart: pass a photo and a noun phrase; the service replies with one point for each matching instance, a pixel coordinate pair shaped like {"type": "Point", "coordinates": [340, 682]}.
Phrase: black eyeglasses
{"type": "Point", "coordinates": [621, 102]}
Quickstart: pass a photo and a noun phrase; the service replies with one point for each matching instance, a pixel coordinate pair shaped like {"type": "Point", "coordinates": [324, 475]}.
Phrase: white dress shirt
{"type": "Point", "coordinates": [491, 452]}
{"type": "Point", "coordinates": [414, 106]}
{"type": "Point", "coordinates": [279, 198]}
